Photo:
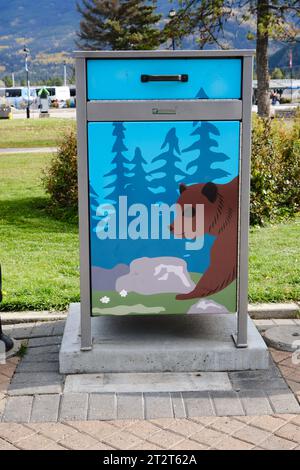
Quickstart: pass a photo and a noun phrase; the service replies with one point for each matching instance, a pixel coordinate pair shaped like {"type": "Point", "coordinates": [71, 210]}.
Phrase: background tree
{"type": "Point", "coordinates": [277, 74]}
{"type": "Point", "coordinates": [275, 19]}
{"type": "Point", "coordinates": [202, 18]}
{"type": "Point", "coordinates": [8, 81]}
{"type": "Point", "coordinates": [53, 81]}
{"type": "Point", "coordinates": [118, 25]}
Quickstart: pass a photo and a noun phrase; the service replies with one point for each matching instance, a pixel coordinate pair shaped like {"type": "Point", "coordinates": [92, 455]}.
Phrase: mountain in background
{"type": "Point", "coordinates": [281, 58]}
{"type": "Point", "coordinates": [48, 28]}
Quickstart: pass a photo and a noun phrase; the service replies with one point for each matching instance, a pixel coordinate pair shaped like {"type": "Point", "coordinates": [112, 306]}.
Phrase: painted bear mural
{"type": "Point", "coordinates": [154, 164]}
{"type": "Point", "coordinates": [220, 220]}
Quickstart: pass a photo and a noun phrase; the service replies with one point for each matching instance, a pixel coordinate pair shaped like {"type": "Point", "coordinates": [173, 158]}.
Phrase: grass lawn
{"type": "Point", "coordinates": [18, 133]}
{"type": "Point", "coordinates": [39, 255]}
{"type": "Point", "coordinates": [275, 263]}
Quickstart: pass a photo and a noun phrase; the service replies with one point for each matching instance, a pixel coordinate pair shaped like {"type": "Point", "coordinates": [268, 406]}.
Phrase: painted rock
{"type": "Point", "coordinates": [156, 276]}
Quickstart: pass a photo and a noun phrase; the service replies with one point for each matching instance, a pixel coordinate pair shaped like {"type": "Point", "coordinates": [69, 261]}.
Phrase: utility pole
{"type": "Point", "coordinates": [291, 70]}
{"type": "Point", "coordinates": [26, 50]}
{"type": "Point", "coordinates": [65, 73]}
{"type": "Point", "coordinates": [13, 79]}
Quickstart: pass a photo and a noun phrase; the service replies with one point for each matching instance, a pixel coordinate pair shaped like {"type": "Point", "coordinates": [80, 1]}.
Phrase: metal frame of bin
{"type": "Point", "coordinates": [141, 110]}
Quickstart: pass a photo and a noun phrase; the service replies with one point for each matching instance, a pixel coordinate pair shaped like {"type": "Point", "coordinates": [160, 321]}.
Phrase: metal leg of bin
{"type": "Point", "coordinates": [240, 339]}
{"type": "Point", "coordinates": [83, 179]}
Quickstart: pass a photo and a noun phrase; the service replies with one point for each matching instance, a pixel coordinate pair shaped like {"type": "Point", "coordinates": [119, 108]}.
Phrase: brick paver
{"type": "Point", "coordinates": [289, 431]}
{"type": "Point", "coordinates": [269, 423]}
{"type": "Point", "coordinates": [45, 408]}
{"type": "Point", "coordinates": [102, 406]}
{"type": "Point", "coordinates": [252, 435]}
{"type": "Point", "coordinates": [158, 405]}
{"type": "Point", "coordinates": [18, 409]}
{"type": "Point", "coordinates": [74, 406]}
{"type": "Point", "coordinates": [255, 402]}
{"type": "Point", "coordinates": [277, 443]}
{"type": "Point", "coordinates": [227, 403]}
{"type": "Point", "coordinates": [130, 406]}
{"type": "Point", "coordinates": [198, 404]}
{"type": "Point", "coordinates": [231, 443]}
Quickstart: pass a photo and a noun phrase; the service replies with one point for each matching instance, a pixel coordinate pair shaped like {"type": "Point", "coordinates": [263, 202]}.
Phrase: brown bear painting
{"type": "Point", "coordinates": [220, 203]}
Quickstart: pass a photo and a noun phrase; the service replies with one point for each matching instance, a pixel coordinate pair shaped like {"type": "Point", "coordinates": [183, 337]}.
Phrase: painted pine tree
{"type": "Point", "coordinates": [201, 166]}
{"type": "Point", "coordinates": [138, 191]}
{"type": "Point", "coordinates": [94, 218]}
{"type": "Point", "coordinates": [169, 168]}
{"type": "Point", "coordinates": [94, 203]}
{"type": "Point", "coordinates": [120, 171]}
{"type": "Point", "coordinates": [201, 95]}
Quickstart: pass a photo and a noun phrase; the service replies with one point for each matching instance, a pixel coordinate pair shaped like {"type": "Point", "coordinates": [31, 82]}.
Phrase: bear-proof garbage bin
{"type": "Point", "coordinates": [164, 147]}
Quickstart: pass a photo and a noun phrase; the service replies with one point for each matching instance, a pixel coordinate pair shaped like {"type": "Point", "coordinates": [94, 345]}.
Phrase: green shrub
{"type": "Point", "coordinates": [285, 100]}
{"type": "Point", "coordinates": [289, 178]}
{"type": "Point", "coordinates": [60, 178]}
{"type": "Point", "coordinates": [275, 170]}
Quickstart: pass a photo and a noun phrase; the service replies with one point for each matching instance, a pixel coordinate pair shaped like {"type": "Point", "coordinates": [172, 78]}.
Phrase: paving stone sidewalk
{"type": "Point", "coordinates": [37, 392]}
{"type": "Point", "coordinates": [203, 433]}
{"type": "Point", "coordinates": [260, 410]}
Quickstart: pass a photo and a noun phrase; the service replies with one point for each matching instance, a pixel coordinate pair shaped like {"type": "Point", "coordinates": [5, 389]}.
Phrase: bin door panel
{"type": "Point", "coordinates": [163, 217]}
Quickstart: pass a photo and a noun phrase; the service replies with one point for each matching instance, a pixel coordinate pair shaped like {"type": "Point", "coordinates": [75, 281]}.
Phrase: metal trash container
{"type": "Point", "coordinates": [164, 147]}
{"type": "Point", "coordinates": [43, 95]}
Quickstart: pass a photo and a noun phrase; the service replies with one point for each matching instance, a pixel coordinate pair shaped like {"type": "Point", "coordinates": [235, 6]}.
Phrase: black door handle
{"type": "Point", "coordinates": [164, 78]}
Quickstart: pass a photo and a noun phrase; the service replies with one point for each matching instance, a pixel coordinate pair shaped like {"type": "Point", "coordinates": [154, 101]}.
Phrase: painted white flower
{"type": "Point", "coordinates": [123, 293]}
{"type": "Point", "coordinates": [105, 300]}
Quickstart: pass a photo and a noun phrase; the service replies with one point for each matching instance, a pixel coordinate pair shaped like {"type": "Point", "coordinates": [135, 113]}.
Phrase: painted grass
{"type": "Point", "coordinates": [165, 303]}
{"type": "Point", "coordinates": [39, 255]}
{"type": "Point", "coordinates": [33, 132]}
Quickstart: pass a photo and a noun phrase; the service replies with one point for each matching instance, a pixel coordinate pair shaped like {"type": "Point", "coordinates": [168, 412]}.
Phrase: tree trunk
{"type": "Point", "coordinates": [262, 62]}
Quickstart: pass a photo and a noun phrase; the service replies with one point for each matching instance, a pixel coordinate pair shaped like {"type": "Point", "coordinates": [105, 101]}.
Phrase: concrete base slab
{"type": "Point", "coordinates": [160, 344]}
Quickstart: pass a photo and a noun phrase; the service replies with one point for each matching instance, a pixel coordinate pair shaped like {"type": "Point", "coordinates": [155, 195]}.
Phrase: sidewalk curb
{"type": "Point", "coordinates": [25, 150]}
{"type": "Point", "coordinates": [278, 311]}
{"type": "Point", "coordinates": [256, 311]}
{"type": "Point", "coordinates": [8, 318]}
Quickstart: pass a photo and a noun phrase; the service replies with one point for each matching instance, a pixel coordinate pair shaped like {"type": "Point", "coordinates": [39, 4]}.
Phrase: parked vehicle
{"type": "Point", "coordinates": [18, 96]}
